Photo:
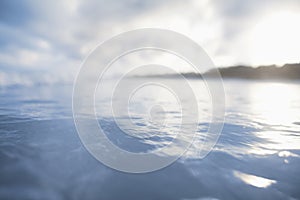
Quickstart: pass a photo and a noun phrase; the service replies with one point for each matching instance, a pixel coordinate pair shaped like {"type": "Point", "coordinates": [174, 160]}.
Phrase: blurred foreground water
{"type": "Point", "coordinates": [257, 155]}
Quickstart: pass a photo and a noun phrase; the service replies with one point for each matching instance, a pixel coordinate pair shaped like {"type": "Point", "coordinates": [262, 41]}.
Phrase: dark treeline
{"type": "Point", "coordinates": [287, 71]}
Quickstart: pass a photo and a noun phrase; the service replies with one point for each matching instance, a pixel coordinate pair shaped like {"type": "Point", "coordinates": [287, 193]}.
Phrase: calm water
{"type": "Point", "coordinates": [257, 155]}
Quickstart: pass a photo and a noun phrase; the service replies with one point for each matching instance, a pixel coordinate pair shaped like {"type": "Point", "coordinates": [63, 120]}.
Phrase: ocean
{"type": "Point", "coordinates": [257, 155]}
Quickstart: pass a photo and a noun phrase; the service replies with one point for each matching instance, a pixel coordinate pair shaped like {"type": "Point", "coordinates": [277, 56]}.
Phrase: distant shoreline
{"type": "Point", "coordinates": [287, 71]}
{"type": "Point", "coordinates": [270, 72]}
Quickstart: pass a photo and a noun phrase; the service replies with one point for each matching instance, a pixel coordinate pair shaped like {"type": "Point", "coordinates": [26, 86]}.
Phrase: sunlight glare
{"type": "Point", "coordinates": [272, 102]}
{"type": "Point", "coordinates": [255, 181]}
{"type": "Point", "coordinates": [275, 39]}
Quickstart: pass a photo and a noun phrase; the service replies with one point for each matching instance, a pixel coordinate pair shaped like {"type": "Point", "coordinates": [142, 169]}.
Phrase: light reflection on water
{"type": "Point", "coordinates": [261, 116]}
{"type": "Point", "coordinates": [275, 103]}
{"type": "Point", "coordinates": [272, 109]}
{"type": "Point", "coordinates": [254, 180]}
{"type": "Point", "coordinates": [257, 155]}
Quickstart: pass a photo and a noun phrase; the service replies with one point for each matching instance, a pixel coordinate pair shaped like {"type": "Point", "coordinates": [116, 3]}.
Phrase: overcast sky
{"type": "Point", "coordinates": [49, 39]}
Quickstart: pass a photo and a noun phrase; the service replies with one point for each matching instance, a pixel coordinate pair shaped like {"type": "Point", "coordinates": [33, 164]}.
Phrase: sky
{"type": "Point", "coordinates": [46, 41]}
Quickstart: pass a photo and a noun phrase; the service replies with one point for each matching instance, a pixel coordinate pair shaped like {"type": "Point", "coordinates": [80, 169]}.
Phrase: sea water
{"type": "Point", "coordinates": [257, 155]}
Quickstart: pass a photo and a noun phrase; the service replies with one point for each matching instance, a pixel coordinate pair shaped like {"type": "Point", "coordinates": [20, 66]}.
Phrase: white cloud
{"type": "Point", "coordinates": [54, 35]}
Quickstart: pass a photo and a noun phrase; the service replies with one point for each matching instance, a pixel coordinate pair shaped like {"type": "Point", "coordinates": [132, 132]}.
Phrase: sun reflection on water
{"type": "Point", "coordinates": [273, 103]}
{"type": "Point", "coordinates": [275, 106]}
{"type": "Point", "coordinates": [255, 181]}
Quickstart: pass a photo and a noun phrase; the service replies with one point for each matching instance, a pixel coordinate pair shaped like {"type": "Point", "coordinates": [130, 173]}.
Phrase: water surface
{"type": "Point", "coordinates": [257, 155]}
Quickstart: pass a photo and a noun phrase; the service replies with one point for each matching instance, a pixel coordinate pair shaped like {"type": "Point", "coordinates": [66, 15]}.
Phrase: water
{"type": "Point", "coordinates": [257, 155]}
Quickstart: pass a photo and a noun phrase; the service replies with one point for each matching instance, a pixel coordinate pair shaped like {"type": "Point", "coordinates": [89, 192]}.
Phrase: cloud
{"type": "Point", "coordinates": [56, 36]}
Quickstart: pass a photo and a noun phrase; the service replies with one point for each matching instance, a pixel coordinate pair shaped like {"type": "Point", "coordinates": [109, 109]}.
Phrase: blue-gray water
{"type": "Point", "coordinates": [257, 155]}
